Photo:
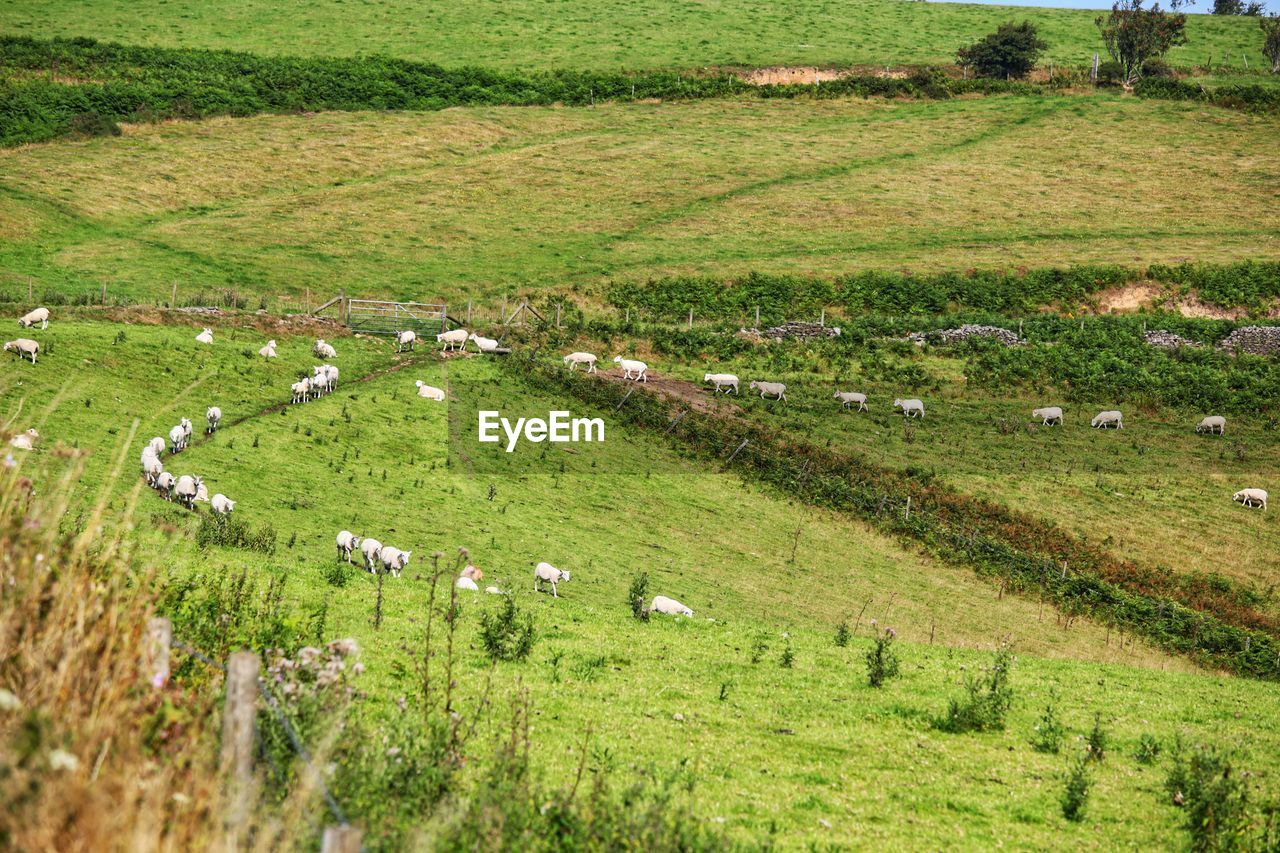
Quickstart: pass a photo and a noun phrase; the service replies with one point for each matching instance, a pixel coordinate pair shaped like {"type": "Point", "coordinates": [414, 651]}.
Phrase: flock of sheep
{"type": "Point", "coordinates": [186, 489]}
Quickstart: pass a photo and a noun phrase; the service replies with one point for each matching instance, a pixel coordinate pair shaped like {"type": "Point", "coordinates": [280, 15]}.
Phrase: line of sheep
{"type": "Point", "coordinates": [453, 340]}
{"type": "Point", "coordinates": [186, 489]}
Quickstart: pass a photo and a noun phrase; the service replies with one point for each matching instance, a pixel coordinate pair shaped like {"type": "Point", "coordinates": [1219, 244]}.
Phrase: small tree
{"type": "Point", "coordinates": [1010, 52]}
{"type": "Point", "coordinates": [1271, 40]}
{"type": "Point", "coordinates": [1228, 7]}
{"type": "Point", "coordinates": [1134, 33]}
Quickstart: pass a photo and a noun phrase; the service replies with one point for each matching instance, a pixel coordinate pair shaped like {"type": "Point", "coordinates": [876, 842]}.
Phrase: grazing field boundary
{"type": "Point", "coordinates": [1205, 617]}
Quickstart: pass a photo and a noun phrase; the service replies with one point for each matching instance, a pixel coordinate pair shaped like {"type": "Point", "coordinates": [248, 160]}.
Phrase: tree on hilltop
{"type": "Point", "coordinates": [1271, 39]}
{"type": "Point", "coordinates": [1010, 52]}
{"type": "Point", "coordinates": [1134, 33]}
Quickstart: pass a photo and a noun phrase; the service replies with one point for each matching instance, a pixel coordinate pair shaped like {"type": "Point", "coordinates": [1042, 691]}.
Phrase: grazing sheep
{"type": "Point", "coordinates": [205, 337]}
{"type": "Point", "coordinates": [24, 347]}
{"type": "Point", "coordinates": [632, 369]}
{"type": "Point", "coordinates": [776, 389]}
{"type": "Point", "coordinates": [24, 440]}
{"type": "Point", "coordinates": [39, 315]}
{"type": "Point", "coordinates": [222, 505]}
{"type": "Point", "coordinates": [213, 416]}
{"type": "Point", "coordinates": [1214, 424]}
{"type": "Point", "coordinates": [394, 560]}
{"type": "Point", "coordinates": [452, 339]}
{"type": "Point", "coordinates": [269, 351]}
{"type": "Point", "coordinates": [848, 398]}
{"type": "Point", "coordinates": [722, 380]}
{"type": "Point", "coordinates": [405, 340]}
{"type": "Point", "coordinates": [319, 382]}
{"type": "Point", "coordinates": [165, 483]}
{"type": "Point", "coordinates": [1108, 420]}
{"type": "Point", "coordinates": [910, 408]}
{"type": "Point", "coordinates": [157, 446]}
{"type": "Point", "coordinates": [669, 607]}
{"type": "Point", "coordinates": [1251, 498]}
{"type": "Point", "coordinates": [177, 438]}
{"type": "Point", "coordinates": [152, 468]}
{"type": "Point", "coordinates": [324, 350]}
{"type": "Point", "coordinates": [429, 391]}
{"type": "Point", "coordinates": [301, 391]}
{"type": "Point", "coordinates": [372, 551]}
{"type": "Point", "coordinates": [493, 590]}
{"type": "Point", "coordinates": [347, 543]}
{"type": "Point", "coordinates": [467, 584]}
{"type": "Point", "coordinates": [473, 572]}
{"type": "Point", "coordinates": [1048, 415]}
{"type": "Point", "coordinates": [187, 489]}
{"type": "Point", "coordinates": [550, 574]}
{"type": "Point", "coordinates": [483, 344]}
{"type": "Point", "coordinates": [573, 359]}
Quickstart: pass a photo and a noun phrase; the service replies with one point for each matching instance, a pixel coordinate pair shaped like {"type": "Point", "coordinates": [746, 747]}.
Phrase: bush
{"type": "Point", "coordinates": [230, 532]}
{"type": "Point", "coordinates": [1049, 733]}
{"type": "Point", "coordinates": [986, 699]}
{"type": "Point", "coordinates": [1156, 68]}
{"type": "Point", "coordinates": [507, 634]}
{"type": "Point", "coordinates": [1215, 797]}
{"type": "Point", "coordinates": [1110, 74]}
{"type": "Point", "coordinates": [1096, 746]}
{"type": "Point", "coordinates": [1010, 52]}
{"type": "Point", "coordinates": [638, 596]}
{"type": "Point", "coordinates": [336, 574]}
{"type": "Point", "coordinates": [1076, 793]}
{"type": "Point", "coordinates": [882, 661]}
{"type": "Point", "coordinates": [842, 633]}
{"type": "Point", "coordinates": [1148, 749]}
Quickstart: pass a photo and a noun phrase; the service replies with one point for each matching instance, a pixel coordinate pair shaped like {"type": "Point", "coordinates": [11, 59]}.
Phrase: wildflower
{"type": "Point", "coordinates": [308, 655]}
{"type": "Point", "coordinates": [344, 647]}
{"type": "Point", "coordinates": [357, 669]}
{"type": "Point", "coordinates": [60, 759]}
{"type": "Point", "coordinates": [159, 680]}
{"type": "Point", "coordinates": [889, 632]}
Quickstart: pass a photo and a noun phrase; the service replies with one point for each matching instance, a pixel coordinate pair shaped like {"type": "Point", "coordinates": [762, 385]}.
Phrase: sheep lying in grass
{"type": "Point", "coordinates": [429, 391]}
{"type": "Point", "coordinates": [848, 398]}
{"type": "Point", "coordinates": [347, 543]}
{"type": "Point", "coordinates": [178, 439]}
{"type": "Point", "coordinates": [722, 380]}
{"type": "Point", "coordinates": [452, 339]}
{"type": "Point", "coordinates": [774, 389]}
{"type": "Point", "coordinates": [1108, 420]}
{"type": "Point", "coordinates": [1214, 424]}
{"type": "Point", "coordinates": [222, 504]}
{"type": "Point", "coordinates": [187, 490]}
{"type": "Point", "coordinates": [165, 484]}
{"type": "Point", "coordinates": [269, 351]}
{"type": "Point", "coordinates": [394, 560]}
{"type": "Point", "coordinates": [483, 344]}
{"type": "Point", "coordinates": [372, 551]}
{"type": "Point", "coordinates": [24, 440]}
{"type": "Point", "coordinates": [632, 369]}
{"type": "Point", "coordinates": [301, 391]}
{"type": "Point", "coordinates": [405, 340]}
{"type": "Point", "coordinates": [910, 408]}
{"type": "Point", "coordinates": [323, 349]}
{"type": "Point", "coordinates": [1048, 415]}
{"type": "Point", "coordinates": [213, 417]}
{"type": "Point", "coordinates": [493, 590]}
{"type": "Point", "coordinates": [1251, 498]}
{"type": "Point", "coordinates": [24, 347]}
{"type": "Point", "coordinates": [573, 359]}
{"type": "Point", "coordinates": [550, 574]}
{"type": "Point", "coordinates": [669, 607]}
{"type": "Point", "coordinates": [39, 315]}
{"type": "Point", "coordinates": [205, 337]}
{"type": "Point", "coordinates": [467, 584]}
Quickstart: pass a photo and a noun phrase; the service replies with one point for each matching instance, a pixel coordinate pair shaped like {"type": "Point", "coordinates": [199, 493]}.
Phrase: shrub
{"type": "Point", "coordinates": [336, 574]}
{"type": "Point", "coordinates": [1096, 745]}
{"type": "Point", "coordinates": [882, 661]}
{"type": "Point", "coordinates": [231, 532]}
{"type": "Point", "coordinates": [1110, 74]}
{"type": "Point", "coordinates": [1049, 733]}
{"type": "Point", "coordinates": [1010, 52]}
{"type": "Point", "coordinates": [842, 633]}
{"type": "Point", "coordinates": [1215, 797]}
{"type": "Point", "coordinates": [92, 124]}
{"type": "Point", "coordinates": [1148, 749]}
{"type": "Point", "coordinates": [507, 634]}
{"type": "Point", "coordinates": [986, 700]}
{"type": "Point", "coordinates": [1076, 793]}
{"type": "Point", "coordinates": [638, 596]}
{"type": "Point", "coordinates": [1156, 68]}
{"type": "Point", "coordinates": [788, 658]}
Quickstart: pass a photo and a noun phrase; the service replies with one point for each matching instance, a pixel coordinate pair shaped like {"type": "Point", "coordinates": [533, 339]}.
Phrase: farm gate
{"type": "Point", "coordinates": [386, 318]}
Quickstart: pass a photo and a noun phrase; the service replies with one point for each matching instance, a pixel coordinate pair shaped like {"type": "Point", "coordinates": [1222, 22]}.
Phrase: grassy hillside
{"type": "Point", "coordinates": [598, 35]}
{"type": "Point", "coordinates": [481, 203]}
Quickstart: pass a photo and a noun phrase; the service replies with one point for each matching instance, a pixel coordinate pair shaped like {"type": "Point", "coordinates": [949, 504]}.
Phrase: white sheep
{"type": "Point", "coordinates": [152, 468]}
{"type": "Point", "coordinates": [910, 408]}
{"type": "Point", "coordinates": [493, 590]}
{"type": "Point", "coordinates": [776, 389]}
{"type": "Point", "coordinates": [573, 359]}
{"type": "Point", "coordinates": [24, 440]}
{"type": "Point", "coordinates": [632, 369]}
{"type": "Point", "coordinates": [452, 339]}
{"type": "Point", "coordinates": [332, 373]}
{"type": "Point", "coordinates": [550, 574]}
{"type": "Point", "coordinates": [166, 483]}
{"type": "Point", "coordinates": [347, 543]}
{"type": "Point", "coordinates": [205, 337]}
{"type": "Point", "coordinates": [178, 439]}
{"type": "Point", "coordinates": [319, 382]}
{"type": "Point", "coordinates": [848, 398]}
{"type": "Point", "coordinates": [157, 446]}
{"type": "Point", "coordinates": [405, 340]}
{"type": "Point", "coordinates": [1214, 424]}
{"type": "Point", "coordinates": [202, 491]}
{"type": "Point", "coordinates": [213, 417]}
{"type": "Point", "coordinates": [269, 351]}
{"type": "Point", "coordinates": [1108, 420]}
{"type": "Point", "coordinates": [187, 429]}
{"type": "Point", "coordinates": [39, 315]}
{"type": "Point", "coordinates": [372, 551]}
{"type": "Point", "coordinates": [669, 607]}
{"type": "Point", "coordinates": [467, 584]}
{"type": "Point", "coordinates": [394, 560]}
{"type": "Point", "coordinates": [24, 347]}
{"type": "Point", "coordinates": [1251, 498]}
{"type": "Point", "coordinates": [483, 344]}
{"type": "Point", "coordinates": [1048, 415]}
{"type": "Point", "coordinates": [222, 504]}
{"type": "Point", "coordinates": [429, 391]}
{"type": "Point", "coordinates": [301, 390]}
{"type": "Point", "coordinates": [187, 489]}
{"type": "Point", "coordinates": [722, 380]}
{"type": "Point", "coordinates": [323, 349]}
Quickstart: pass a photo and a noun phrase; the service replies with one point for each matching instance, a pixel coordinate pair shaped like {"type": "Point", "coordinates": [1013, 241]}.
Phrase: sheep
{"type": "Point", "coordinates": [1048, 415]}
{"type": "Point", "coordinates": [202, 491]}
{"type": "Point", "coordinates": [205, 337]}
{"type": "Point", "coordinates": [347, 543]}
{"type": "Point", "coordinates": [372, 551]}
{"type": "Point", "coordinates": [332, 373]}
{"type": "Point", "coordinates": [324, 350]}
{"type": "Point", "coordinates": [632, 369]}
{"type": "Point", "coordinates": [24, 347]}
{"type": "Point", "coordinates": [550, 574]}
{"type": "Point", "coordinates": [777, 389]}
{"type": "Point", "coordinates": [429, 391]}
{"type": "Point", "coordinates": [39, 315]}
{"type": "Point", "coordinates": [186, 490]}
{"type": "Point", "coordinates": [157, 446]}
{"type": "Point", "coordinates": [269, 351]}
{"type": "Point", "coordinates": [722, 380]}
{"type": "Point", "coordinates": [492, 590]}
{"type": "Point", "coordinates": [848, 398]}
{"type": "Point", "coordinates": [213, 416]}
{"type": "Point", "coordinates": [473, 572]}
{"type": "Point", "coordinates": [24, 440]}
{"type": "Point", "coordinates": [178, 438]}
{"type": "Point", "coordinates": [187, 429]}
{"type": "Point", "coordinates": [152, 468]}
{"type": "Point", "coordinates": [1214, 424]}
{"type": "Point", "coordinates": [1108, 420]}
{"type": "Point", "coordinates": [393, 559]}
{"type": "Point", "coordinates": [483, 344]}
{"type": "Point", "coordinates": [910, 408]}
{"type": "Point", "coordinates": [573, 359]}
{"type": "Point", "coordinates": [1251, 498]}
{"type": "Point", "coordinates": [405, 340]}
{"type": "Point", "coordinates": [467, 584]}
{"type": "Point", "coordinates": [319, 382]}
{"type": "Point", "coordinates": [165, 484]}
{"type": "Point", "coordinates": [669, 607]}
{"type": "Point", "coordinates": [452, 339]}
{"type": "Point", "coordinates": [301, 391]}
{"type": "Point", "coordinates": [222, 505]}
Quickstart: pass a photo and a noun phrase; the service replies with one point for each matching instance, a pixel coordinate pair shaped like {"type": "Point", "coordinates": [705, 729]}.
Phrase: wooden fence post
{"type": "Point", "coordinates": [341, 839]}
{"type": "Point", "coordinates": [757, 316]}
{"type": "Point", "coordinates": [155, 652]}
{"type": "Point", "coordinates": [557, 315]}
{"type": "Point", "coordinates": [690, 318]}
{"type": "Point", "coordinates": [468, 313]}
{"type": "Point", "coordinates": [31, 287]}
{"type": "Point", "coordinates": [173, 300]}
{"type": "Point", "coordinates": [238, 715]}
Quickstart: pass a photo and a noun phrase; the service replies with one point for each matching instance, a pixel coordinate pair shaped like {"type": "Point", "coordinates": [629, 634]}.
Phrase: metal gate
{"type": "Point", "coordinates": [387, 318]}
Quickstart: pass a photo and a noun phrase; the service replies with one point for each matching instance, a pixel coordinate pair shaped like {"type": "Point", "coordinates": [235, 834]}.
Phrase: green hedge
{"type": "Point", "coordinates": [1250, 97]}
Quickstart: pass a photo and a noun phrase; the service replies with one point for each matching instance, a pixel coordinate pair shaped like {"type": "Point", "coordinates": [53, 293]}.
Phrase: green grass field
{"type": "Point", "coordinates": [530, 34]}
{"type": "Point", "coordinates": [487, 203]}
